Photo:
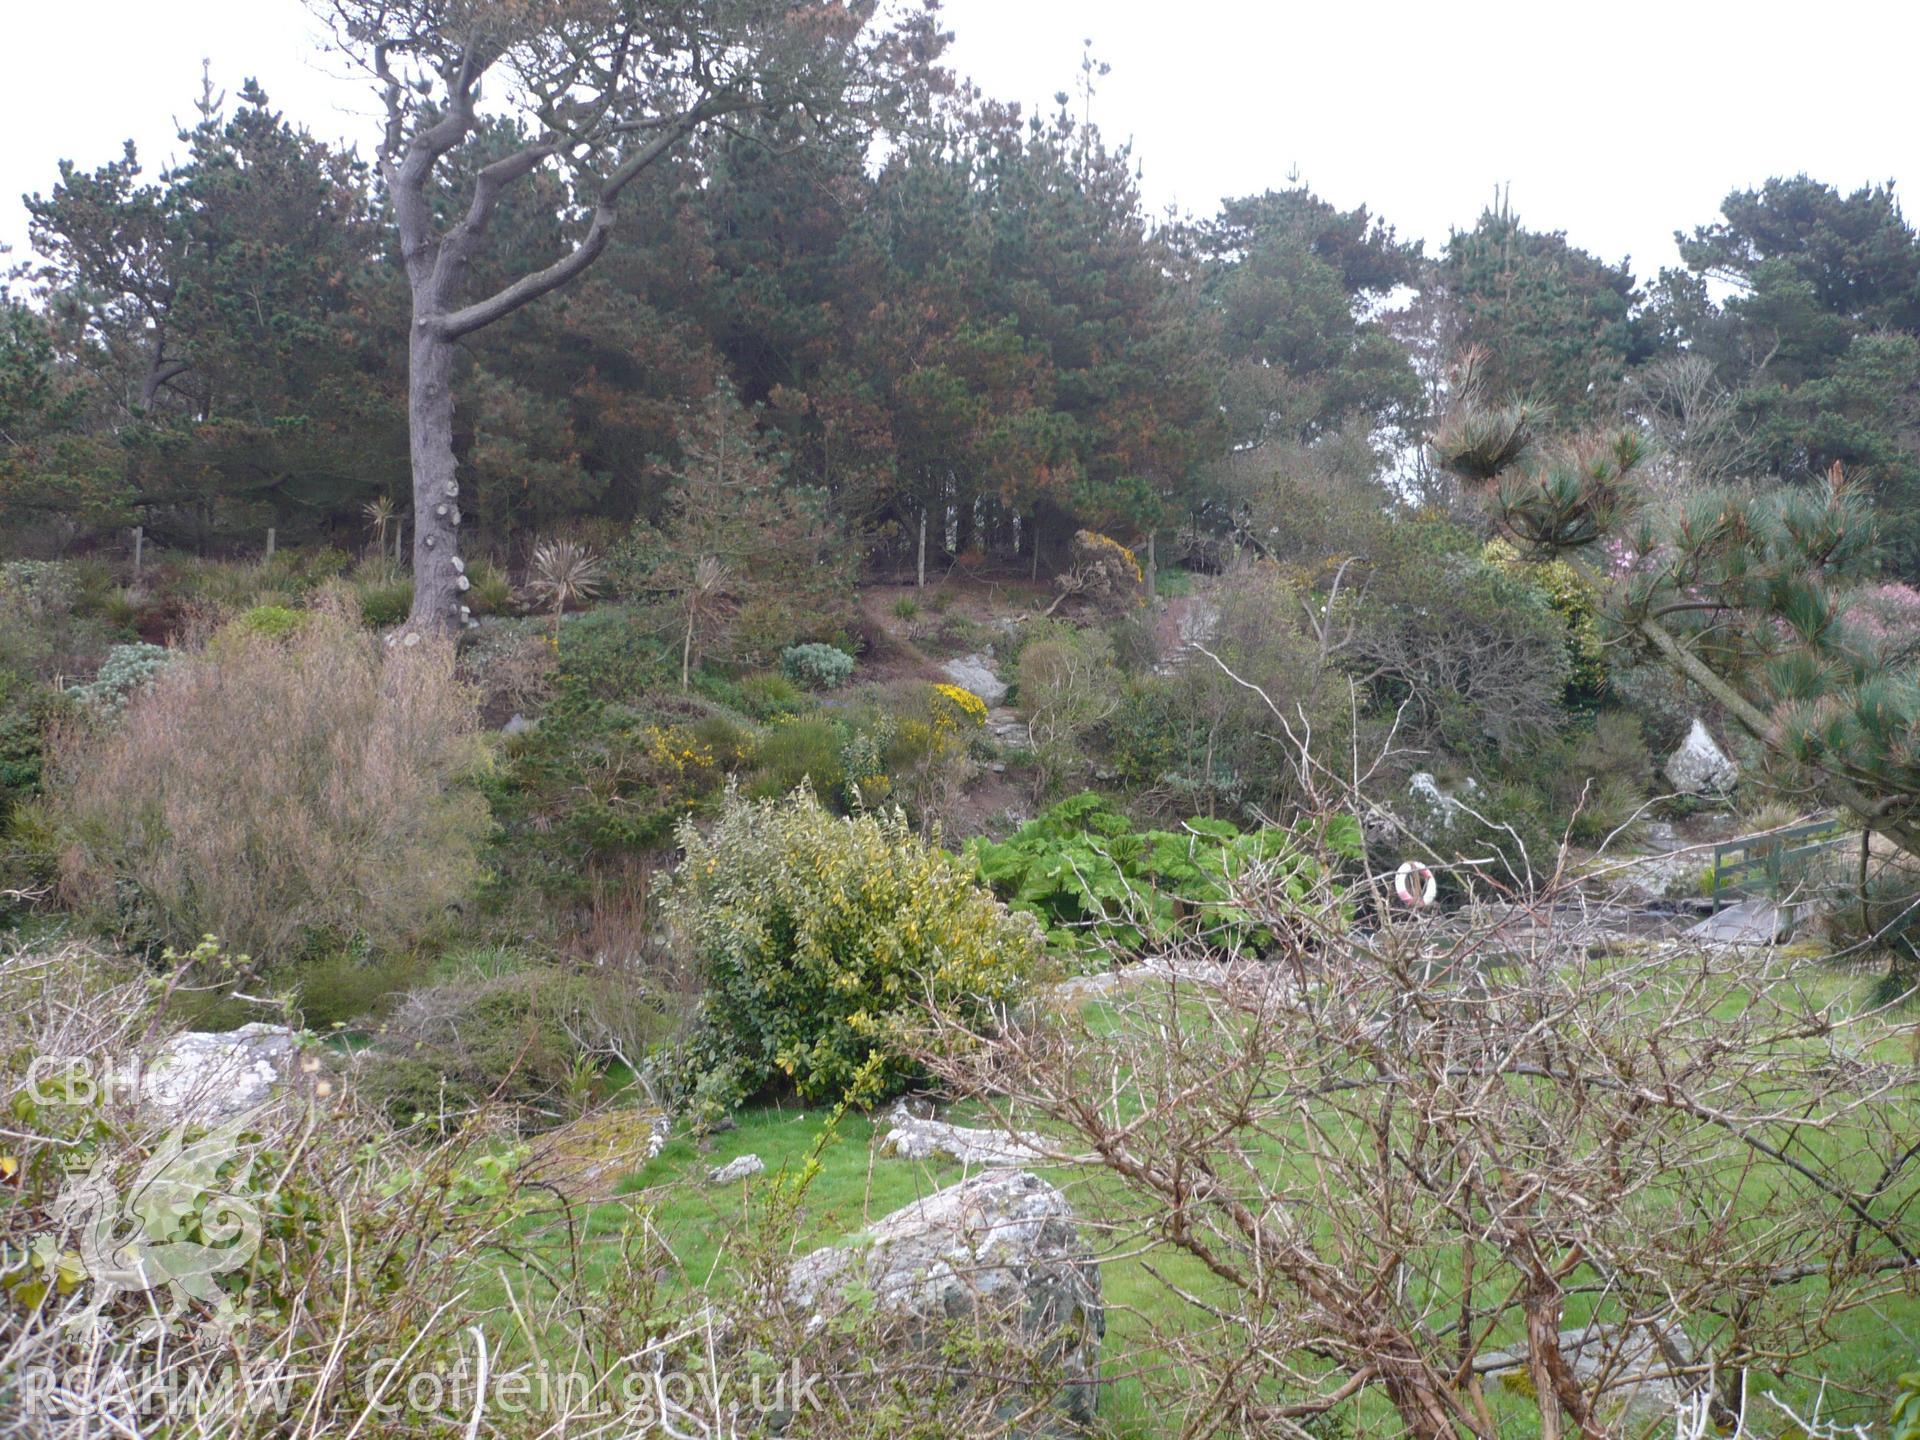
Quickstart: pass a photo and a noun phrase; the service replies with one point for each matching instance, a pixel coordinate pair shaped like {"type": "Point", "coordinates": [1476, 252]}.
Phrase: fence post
{"type": "Point", "coordinates": [1866, 849]}
{"type": "Point", "coordinates": [269, 554]}
{"type": "Point", "coordinates": [139, 544]}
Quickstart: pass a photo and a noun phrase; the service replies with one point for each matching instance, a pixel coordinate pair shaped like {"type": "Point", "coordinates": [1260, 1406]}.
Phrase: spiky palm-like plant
{"type": "Point", "coordinates": [380, 514]}
{"type": "Point", "coordinates": [702, 599]}
{"type": "Point", "coordinates": [563, 573]}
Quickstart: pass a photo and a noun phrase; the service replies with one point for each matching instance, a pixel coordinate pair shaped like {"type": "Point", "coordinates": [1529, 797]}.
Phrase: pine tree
{"type": "Point", "coordinates": [1742, 593]}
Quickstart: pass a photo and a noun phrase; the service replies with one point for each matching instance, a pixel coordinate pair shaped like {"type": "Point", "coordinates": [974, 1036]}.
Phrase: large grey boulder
{"type": "Point", "coordinates": [1000, 1244]}
{"type": "Point", "coordinates": [1700, 766]}
{"type": "Point", "coordinates": [976, 673]}
{"type": "Point", "coordinates": [1433, 808]}
{"type": "Point", "coordinates": [206, 1077]}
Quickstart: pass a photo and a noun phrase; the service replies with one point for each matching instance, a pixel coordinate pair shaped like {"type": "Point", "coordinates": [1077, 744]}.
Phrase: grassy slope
{"type": "Point", "coordinates": [855, 1185]}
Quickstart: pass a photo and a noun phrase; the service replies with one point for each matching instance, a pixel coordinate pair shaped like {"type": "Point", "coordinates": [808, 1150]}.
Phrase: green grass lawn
{"type": "Point", "coordinates": [700, 1224]}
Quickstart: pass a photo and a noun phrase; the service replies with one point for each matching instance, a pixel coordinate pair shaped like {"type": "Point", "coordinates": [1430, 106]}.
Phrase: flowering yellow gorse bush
{"type": "Point", "coordinates": [819, 934]}
{"type": "Point", "coordinates": [1107, 548]}
{"type": "Point", "coordinates": [676, 751]}
{"type": "Point", "coordinates": [962, 708]}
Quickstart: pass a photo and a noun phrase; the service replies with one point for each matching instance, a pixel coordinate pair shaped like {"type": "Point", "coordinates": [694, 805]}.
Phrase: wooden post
{"type": "Point", "coordinates": [1866, 849]}
{"type": "Point", "coordinates": [139, 546]}
{"type": "Point", "coordinates": [269, 554]}
{"type": "Point", "coordinates": [1153, 570]}
{"type": "Point", "coordinates": [921, 566]}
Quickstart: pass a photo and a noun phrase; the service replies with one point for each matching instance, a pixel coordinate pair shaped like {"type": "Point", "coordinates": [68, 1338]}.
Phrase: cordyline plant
{"type": "Point", "coordinates": [564, 572]}
{"type": "Point", "coordinates": [1744, 594]}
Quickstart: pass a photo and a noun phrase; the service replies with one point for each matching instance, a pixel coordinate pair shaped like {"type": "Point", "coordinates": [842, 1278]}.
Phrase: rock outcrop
{"type": "Point", "coordinates": [916, 1137]}
{"type": "Point", "coordinates": [1700, 766]}
{"type": "Point", "coordinates": [745, 1167]}
{"type": "Point", "coordinates": [1633, 1366]}
{"type": "Point", "coordinates": [207, 1076]}
{"type": "Point", "coordinates": [1002, 1245]}
{"type": "Point", "coordinates": [976, 673]}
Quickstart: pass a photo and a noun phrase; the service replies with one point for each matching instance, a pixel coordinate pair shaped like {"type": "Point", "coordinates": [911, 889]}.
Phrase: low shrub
{"type": "Point", "coordinates": [912, 745]}
{"type": "Point", "coordinates": [274, 622]}
{"type": "Point", "coordinates": [27, 712]}
{"type": "Point", "coordinates": [817, 666]}
{"type": "Point", "coordinates": [490, 592]}
{"type": "Point", "coordinates": [1097, 884]}
{"type": "Point", "coordinates": [1607, 773]}
{"type": "Point", "coordinates": [819, 935]}
{"type": "Point", "coordinates": [614, 652]}
{"type": "Point", "coordinates": [127, 669]}
{"type": "Point", "coordinates": [1103, 572]}
{"type": "Point", "coordinates": [345, 985]}
{"type": "Point", "coordinates": [384, 602]}
{"type": "Point", "coordinates": [516, 1037]}
{"type": "Point", "coordinates": [799, 752]}
{"type": "Point", "coordinates": [1067, 686]}
{"type": "Point", "coordinates": [511, 664]}
{"type": "Point", "coordinates": [769, 695]}
{"type": "Point", "coordinates": [280, 795]}
{"type": "Point", "coordinates": [1883, 920]}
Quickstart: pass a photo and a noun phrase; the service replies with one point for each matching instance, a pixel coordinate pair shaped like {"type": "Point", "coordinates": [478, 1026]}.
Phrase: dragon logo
{"type": "Point", "coordinates": [179, 1224]}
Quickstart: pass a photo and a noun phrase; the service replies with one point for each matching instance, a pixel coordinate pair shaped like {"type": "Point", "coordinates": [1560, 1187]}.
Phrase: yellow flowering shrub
{"type": "Point", "coordinates": [677, 753]}
{"type": "Point", "coordinates": [818, 934]}
{"type": "Point", "coordinates": [1111, 550]}
{"type": "Point", "coordinates": [1103, 571]}
{"type": "Point", "coordinates": [957, 708]}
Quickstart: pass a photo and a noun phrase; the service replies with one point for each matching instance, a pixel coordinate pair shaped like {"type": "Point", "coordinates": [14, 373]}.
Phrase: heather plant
{"type": "Point", "coordinates": [818, 935]}
{"type": "Point", "coordinates": [278, 793]}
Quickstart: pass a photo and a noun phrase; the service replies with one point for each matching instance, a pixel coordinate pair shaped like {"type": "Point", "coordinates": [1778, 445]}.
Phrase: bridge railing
{"type": "Point", "coordinates": [1766, 857]}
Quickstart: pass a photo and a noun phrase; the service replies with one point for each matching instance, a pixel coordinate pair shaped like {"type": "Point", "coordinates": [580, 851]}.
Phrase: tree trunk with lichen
{"type": "Point", "coordinates": [439, 572]}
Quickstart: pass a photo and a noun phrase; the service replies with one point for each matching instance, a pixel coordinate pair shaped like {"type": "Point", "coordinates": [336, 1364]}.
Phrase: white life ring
{"type": "Point", "coordinates": [1414, 884]}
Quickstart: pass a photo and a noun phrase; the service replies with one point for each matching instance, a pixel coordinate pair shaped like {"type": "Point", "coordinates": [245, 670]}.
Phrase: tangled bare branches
{"type": "Point", "coordinates": [1456, 1174]}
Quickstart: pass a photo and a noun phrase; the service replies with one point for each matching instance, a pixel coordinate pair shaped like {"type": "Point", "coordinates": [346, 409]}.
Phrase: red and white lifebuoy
{"type": "Point", "coordinates": [1414, 884]}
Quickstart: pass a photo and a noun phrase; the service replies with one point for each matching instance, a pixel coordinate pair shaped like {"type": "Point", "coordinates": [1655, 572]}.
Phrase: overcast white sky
{"type": "Point", "coordinates": [1616, 123]}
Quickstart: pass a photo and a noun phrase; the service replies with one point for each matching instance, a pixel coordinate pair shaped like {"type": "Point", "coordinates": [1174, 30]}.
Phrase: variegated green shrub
{"type": "Point", "coordinates": [818, 935]}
